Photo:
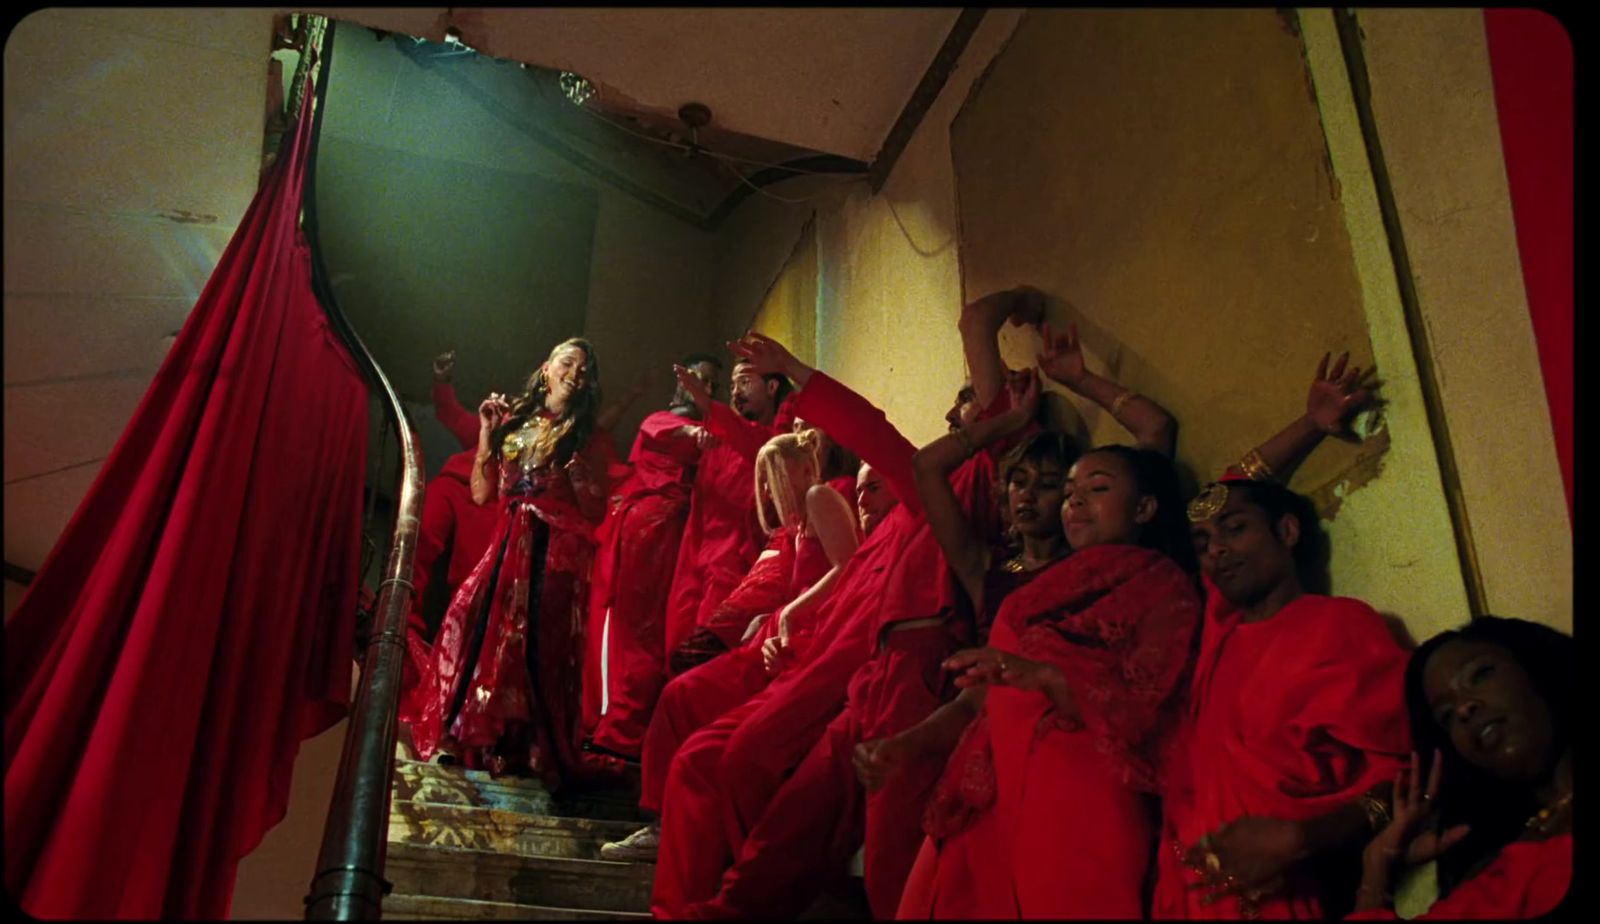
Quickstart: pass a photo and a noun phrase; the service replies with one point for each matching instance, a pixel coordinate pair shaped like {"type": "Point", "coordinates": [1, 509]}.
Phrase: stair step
{"type": "Point", "coordinates": [496, 877]}
{"type": "Point", "coordinates": [433, 908]}
{"type": "Point", "coordinates": [473, 827]}
{"type": "Point", "coordinates": [415, 781]}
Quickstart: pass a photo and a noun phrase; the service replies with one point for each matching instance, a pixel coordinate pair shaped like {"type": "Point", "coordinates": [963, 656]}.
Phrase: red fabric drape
{"type": "Point", "coordinates": [195, 621]}
{"type": "Point", "coordinates": [1530, 57]}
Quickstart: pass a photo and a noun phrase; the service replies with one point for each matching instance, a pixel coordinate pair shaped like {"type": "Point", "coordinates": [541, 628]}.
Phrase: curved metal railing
{"type": "Point", "coordinates": [349, 883]}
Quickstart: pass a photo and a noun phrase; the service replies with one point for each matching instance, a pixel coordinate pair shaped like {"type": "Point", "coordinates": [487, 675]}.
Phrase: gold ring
{"type": "Point", "coordinates": [1213, 862]}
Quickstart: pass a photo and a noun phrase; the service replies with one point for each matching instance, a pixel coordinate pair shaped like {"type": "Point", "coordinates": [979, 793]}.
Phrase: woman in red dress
{"type": "Point", "coordinates": [1490, 703]}
{"type": "Point", "coordinates": [501, 688]}
{"type": "Point", "coordinates": [1042, 811]}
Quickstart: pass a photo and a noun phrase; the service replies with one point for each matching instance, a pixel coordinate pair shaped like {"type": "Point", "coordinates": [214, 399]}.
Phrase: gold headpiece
{"type": "Point", "coordinates": [1208, 502]}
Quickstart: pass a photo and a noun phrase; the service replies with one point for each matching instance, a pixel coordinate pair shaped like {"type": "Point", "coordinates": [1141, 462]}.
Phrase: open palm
{"type": "Point", "coordinates": [1336, 394]}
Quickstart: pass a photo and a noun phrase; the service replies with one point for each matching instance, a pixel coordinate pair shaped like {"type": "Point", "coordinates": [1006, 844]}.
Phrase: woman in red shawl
{"type": "Point", "coordinates": [501, 688]}
{"type": "Point", "coordinates": [1041, 811]}
{"type": "Point", "coordinates": [1491, 703]}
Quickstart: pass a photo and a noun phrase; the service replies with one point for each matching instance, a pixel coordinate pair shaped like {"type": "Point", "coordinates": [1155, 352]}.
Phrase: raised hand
{"type": "Point", "coordinates": [1025, 306]}
{"type": "Point", "coordinates": [1336, 394]}
{"type": "Point", "coordinates": [444, 366]}
{"type": "Point", "coordinates": [1413, 833]}
{"type": "Point", "coordinates": [1062, 356]}
{"type": "Point", "coordinates": [694, 388]}
{"type": "Point", "coordinates": [1025, 392]}
{"type": "Point", "coordinates": [768, 355]}
{"type": "Point", "coordinates": [492, 412]}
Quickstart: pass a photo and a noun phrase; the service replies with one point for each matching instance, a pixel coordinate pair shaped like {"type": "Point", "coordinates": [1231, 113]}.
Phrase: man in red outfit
{"type": "Point", "coordinates": [785, 833]}
{"type": "Point", "coordinates": [626, 666]}
{"type": "Point", "coordinates": [722, 538]}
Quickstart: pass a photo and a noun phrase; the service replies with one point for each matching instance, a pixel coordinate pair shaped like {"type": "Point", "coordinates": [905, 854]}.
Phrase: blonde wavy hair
{"type": "Point", "coordinates": [772, 474]}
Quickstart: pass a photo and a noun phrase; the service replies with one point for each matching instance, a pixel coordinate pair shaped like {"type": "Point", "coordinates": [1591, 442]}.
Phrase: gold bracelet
{"type": "Point", "coordinates": [1254, 467]}
{"type": "Point", "coordinates": [1127, 395]}
{"type": "Point", "coordinates": [1377, 812]}
{"type": "Point", "coordinates": [965, 441]}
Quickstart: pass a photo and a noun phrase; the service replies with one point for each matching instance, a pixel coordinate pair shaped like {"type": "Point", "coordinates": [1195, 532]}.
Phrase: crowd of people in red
{"type": "Point", "coordinates": [1022, 678]}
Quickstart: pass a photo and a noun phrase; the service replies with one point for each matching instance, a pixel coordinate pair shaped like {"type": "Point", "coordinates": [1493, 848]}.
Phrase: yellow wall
{"type": "Point", "coordinates": [891, 283]}
{"type": "Point", "coordinates": [788, 313]}
{"type": "Point", "coordinates": [1433, 98]}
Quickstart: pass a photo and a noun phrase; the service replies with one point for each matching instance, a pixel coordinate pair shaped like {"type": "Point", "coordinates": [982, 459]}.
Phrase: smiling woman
{"type": "Point", "coordinates": [500, 688]}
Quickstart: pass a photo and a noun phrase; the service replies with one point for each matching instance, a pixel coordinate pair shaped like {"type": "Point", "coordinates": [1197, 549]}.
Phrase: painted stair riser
{"type": "Point", "coordinates": [476, 828]}
{"type": "Point", "coordinates": [493, 877]}
{"type": "Point", "coordinates": [431, 908]}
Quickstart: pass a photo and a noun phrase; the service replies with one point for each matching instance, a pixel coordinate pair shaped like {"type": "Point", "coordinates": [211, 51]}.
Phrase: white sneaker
{"type": "Point", "coordinates": [638, 847]}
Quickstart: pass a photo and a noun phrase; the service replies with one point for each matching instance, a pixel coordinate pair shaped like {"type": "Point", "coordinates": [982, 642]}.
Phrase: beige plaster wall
{"type": "Point", "coordinates": [1433, 99]}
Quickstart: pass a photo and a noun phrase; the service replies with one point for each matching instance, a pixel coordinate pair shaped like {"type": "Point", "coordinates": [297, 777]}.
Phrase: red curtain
{"type": "Point", "coordinates": [1530, 56]}
{"type": "Point", "coordinates": [195, 621]}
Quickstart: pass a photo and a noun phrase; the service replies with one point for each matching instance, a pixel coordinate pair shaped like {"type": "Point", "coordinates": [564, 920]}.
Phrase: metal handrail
{"type": "Point", "coordinates": [349, 883]}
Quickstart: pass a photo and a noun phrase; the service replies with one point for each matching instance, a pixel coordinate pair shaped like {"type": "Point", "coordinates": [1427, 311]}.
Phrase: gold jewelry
{"type": "Point", "coordinates": [1127, 395]}
{"type": "Point", "coordinates": [1255, 467]}
{"type": "Point", "coordinates": [1212, 861]}
{"type": "Point", "coordinates": [1542, 819]}
{"type": "Point", "coordinates": [1207, 503]}
{"type": "Point", "coordinates": [1378, 814]}
{"type": "Point", "coordinates": [965, 440]}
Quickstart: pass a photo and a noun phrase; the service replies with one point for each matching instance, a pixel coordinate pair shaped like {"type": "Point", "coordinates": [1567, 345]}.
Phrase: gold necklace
{"type": "Point", "coordinates": [1544, 816]}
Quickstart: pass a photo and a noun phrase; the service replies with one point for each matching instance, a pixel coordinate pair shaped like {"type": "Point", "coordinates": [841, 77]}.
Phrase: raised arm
{"type": "Point", "coordinates": [1149, 423]}
{"type": "Point", "coordinates": [743, 436]}
{"type": "Point", "coordinates": [609, 415]}
{"type": "Point", "coordinates": [1335, 396]}
{"type": "Point", "coordinates": [849, 419]}
{"type": "Point", "coordinates": [485, 484]}
{"type": "Point", "coordinates": [980, 326]}
{"type": "Point", "coordinates": [447, 407]}
{"type": "Point", "coordinates": [964, 549]}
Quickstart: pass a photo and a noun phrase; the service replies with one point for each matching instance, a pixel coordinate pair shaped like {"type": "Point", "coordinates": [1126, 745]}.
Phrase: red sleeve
{"type": "Point", "coordinates": [1528, 880]}
{"type": "Point", "coordinates": [457, 419]}
{"type": "Point", "coordinates": [745, 437]}
{"type": "Point", "coordinates": [856, 424]}
{"type": "Point", "coordinates": [764, 589]}
{"type": "Point", "coordinates": [433, 535]}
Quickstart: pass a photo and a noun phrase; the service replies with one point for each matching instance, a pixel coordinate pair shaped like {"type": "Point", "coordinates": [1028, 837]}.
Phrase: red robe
{"type": "Point", "coordinates": [811, 826]}
{"type": "Point", "coordinates": [697, 697]}
{"type": "Point", "coordinates": [450, 520]}
{"type": "Point", "coordinates": [720, 541]}
{"type": "Point", "coordinates": [625, 668]}
{"type": "Point", "coordinates": [1290, 717]}
{"type": "Point", "coordinates": [726, 773]}
{"type": "Point", "coordinates": [504, 676]}
{"type": "Point", "coordinates": [1117, 620]}
{"type": "Point", "coordinates": [1529, 879]}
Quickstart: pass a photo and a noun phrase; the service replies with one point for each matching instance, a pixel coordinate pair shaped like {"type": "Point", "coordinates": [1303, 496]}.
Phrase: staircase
{"type": "Point", "coordinates": [463, 846]}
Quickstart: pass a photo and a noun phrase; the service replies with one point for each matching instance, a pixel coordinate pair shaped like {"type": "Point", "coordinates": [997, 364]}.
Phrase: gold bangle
{"type": "Point", "coordinates": [965, 441]}
{"type": "Point", "coordinates": [1377, 812]}
{"type": "Point", "coordinates": [1254, 467]}
{"type": "Point", "coordinates": [1127, 395]}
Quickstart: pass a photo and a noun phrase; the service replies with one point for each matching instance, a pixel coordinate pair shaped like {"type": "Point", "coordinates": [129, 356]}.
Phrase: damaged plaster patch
{"type": "Point", "coordinates": [187, 218]}
{"type": "Point", "coordinates": [1367, 466]}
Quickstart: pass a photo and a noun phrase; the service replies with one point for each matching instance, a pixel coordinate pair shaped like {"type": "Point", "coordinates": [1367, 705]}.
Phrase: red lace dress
{"type": "Point", "coordinates": [502, 686]}
{"type": "Point", "coordinates": [1040, 815]}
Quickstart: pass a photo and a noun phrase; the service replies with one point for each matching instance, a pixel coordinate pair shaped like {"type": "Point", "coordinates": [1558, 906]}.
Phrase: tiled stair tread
{"type": "Point", "coordinates": [415, 781]}
{"type": "Point", "coordinates": [537, 880]}
{"type": "Point", "coordinates": [434, 908]}
{"type": "Point", "coordinates": [485, 828]}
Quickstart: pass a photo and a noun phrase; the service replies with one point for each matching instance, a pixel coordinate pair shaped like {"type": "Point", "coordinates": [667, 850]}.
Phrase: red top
{"type": "Point", "coordinates": [662, 457]}
{"type": "Point", "coordinates": [1290, 717]}
{"type": "Point", "coordinates": [1529, 879]}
